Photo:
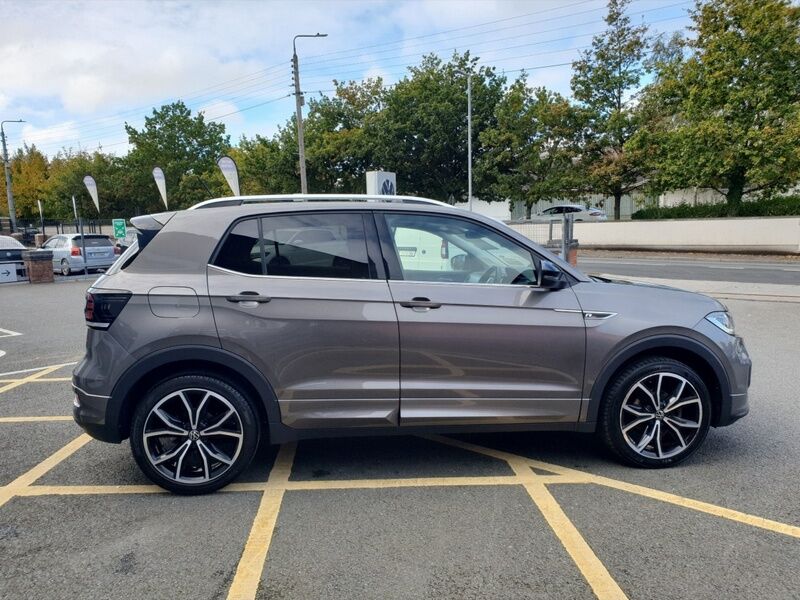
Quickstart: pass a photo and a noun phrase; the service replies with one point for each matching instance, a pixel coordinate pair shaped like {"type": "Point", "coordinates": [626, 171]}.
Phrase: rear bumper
{"type": "Point", "coordinates": [89, 411]}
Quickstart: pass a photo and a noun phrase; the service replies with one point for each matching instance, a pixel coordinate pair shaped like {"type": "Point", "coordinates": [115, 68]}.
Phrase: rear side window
{"type": "Point", "coordinates": [241, 251]}
{"type": "Point", "coordinates": [331, 245]}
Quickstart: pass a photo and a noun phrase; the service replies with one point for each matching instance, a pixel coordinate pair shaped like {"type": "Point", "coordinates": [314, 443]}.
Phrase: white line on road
{"type": "Point", "coordinates": [36, 369]}
{"type": "Point", "coordinates": [8, 333]}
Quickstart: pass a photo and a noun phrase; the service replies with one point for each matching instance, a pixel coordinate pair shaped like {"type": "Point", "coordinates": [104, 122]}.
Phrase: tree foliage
{"type": "Point", "coordinates": [721, 109]}
{"type": "Point", "coordinates": [531, 150]}
{"type": "Point", "coordinates": [603, 81]}
{"type": "Point", "coordinates": [727, 116]}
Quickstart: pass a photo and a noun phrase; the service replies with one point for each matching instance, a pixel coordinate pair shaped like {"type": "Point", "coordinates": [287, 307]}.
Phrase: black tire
{"type": "Point", "coordinates": [204, 471]}
{"type": "Point", "coordinates": [65, 268]}
{"type": "Point", "coordinates": [688, 412]}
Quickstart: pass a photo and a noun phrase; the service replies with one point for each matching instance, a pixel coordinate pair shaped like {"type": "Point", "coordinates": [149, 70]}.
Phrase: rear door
{"type": "Point", "coordinates": [480, 343]}
{"type": "Point", "coordinates": [99, 250]}
{"type": "Point", "coordinates": [304, 297]}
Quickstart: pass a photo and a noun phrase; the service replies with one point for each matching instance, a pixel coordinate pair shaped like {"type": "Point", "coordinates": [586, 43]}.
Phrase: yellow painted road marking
{"type": "Point", "coordinates": [584, 477]}
{"type": "Point", "coordinates": [99, 490]}
{"type": "Point", "coordinates": [34, 419]}
{"type": "Point", "coordinates": [705, 507]}
{"type": "Point", "coordinates": [251, 564]}
{"type": "Point", "coordinates": [595, 573]}
{"type": "Point", "coordinates": [30, 378]}
{"type": "Point", "coordinates": [26, 479]}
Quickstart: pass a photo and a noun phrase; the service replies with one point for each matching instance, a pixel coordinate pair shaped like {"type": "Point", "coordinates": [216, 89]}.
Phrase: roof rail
{"type": "Point", "coordinates": [241, 200]}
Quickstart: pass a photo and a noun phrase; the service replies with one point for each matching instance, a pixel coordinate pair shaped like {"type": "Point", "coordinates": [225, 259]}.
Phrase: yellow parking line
{"type": "Point", "coordinates": [705, 507]}
{"type": "Point", "coordinates": [251, 564]}
{"type": "Point", "coordinates": [26, 479]}
{"type": "Point", "coordinates": [584, 477]}
{"type": "Point", "coordinates": [34, 419]}
{"type": "Point", "coordinates": [597, 576]}
{"type": "Point", "coordinates": [30, 378]}
{"type": "Point", "coordinates": [88, 490]}
{"type": "Point", "coordinates": [349, 484]}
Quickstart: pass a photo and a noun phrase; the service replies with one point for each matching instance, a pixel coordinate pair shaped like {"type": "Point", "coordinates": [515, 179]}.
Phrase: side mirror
{"type": "Point", "coordinates": [550, 276]}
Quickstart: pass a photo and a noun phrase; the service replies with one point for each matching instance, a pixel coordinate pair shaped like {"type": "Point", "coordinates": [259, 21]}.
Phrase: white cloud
{"type": "Point", "coordinates": [95, 65]}
{"type": "Point", "coordinates": [223, 111]}
{"type": "Point", "coordinates": [58, 134]}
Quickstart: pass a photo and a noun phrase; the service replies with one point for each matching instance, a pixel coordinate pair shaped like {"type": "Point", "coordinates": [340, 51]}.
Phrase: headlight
{"type": "Point", "coordinates": [722, 320]}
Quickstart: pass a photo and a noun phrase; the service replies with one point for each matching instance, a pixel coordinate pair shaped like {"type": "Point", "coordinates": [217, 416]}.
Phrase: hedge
{"type": "Point", "coordinates": [773, 207]}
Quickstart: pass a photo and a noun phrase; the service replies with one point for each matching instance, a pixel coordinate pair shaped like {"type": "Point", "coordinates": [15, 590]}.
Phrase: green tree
{"type": "Point", "coordinates": [339, 146]}
{"type": "Point", "coordinates": [603, 81]}
{"type": "Point", "coordinates": [529, 153]}
{"type": "Point", "coordinates": [421, 132]}
{"type": "Point", "coordinates": [269, 165]}
{"type": "Point", "coordinates": [28, 180]}
{"type": "Point", "coordinates": [727, 116]}
{"type": "Point", "coordinates": [186, 147]}
{"type": "Point", "coordinates": [66, 172]}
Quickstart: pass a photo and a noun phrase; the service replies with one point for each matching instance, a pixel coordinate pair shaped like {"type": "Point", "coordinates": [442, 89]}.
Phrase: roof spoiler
{"type": "Point", "coordinates": [147, 226]}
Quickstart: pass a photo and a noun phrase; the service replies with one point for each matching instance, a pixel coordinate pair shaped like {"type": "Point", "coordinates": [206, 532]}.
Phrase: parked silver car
{"type": "Point", "coordinates": [578, 212]}
{"type": "Point", "coordinates": [68, 252]}
{"type": "Point", "coordinates": [303, 316]}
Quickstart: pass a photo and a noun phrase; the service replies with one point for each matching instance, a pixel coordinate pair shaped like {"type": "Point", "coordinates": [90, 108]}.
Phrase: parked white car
{"type": "Point", "coordinates": [68, 252]}
{"type": "Point", "coordinates": [579, 213]}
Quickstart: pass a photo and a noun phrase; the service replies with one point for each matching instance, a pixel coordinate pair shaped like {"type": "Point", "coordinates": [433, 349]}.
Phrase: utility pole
{"type": "Point", "coordinates": [469, 138]}
{"type": "Point", "coordinates": [298, 101]}
{"type": "Point", "coordinates": [12, 213]}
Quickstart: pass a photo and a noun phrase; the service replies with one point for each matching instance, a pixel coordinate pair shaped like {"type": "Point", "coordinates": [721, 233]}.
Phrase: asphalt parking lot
{"type": "Point", "coordinates": [480, 516]}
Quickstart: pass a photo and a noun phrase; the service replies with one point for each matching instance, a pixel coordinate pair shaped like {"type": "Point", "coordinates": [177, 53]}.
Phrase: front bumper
{"type": "Point", "coordinates": [741, 369]}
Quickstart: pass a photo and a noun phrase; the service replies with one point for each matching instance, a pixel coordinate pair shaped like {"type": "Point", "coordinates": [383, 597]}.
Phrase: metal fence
{"type": "Point", "coordinates": [554, 234]}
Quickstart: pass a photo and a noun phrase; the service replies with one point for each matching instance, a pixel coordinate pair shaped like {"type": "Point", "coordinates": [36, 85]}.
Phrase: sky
{"type": "Point", "coordinates": [76, 72]}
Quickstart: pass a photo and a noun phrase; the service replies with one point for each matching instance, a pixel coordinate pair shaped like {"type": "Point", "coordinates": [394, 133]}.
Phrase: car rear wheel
{"type": "Point", "coordinates": [656, 413]}
{"type": "Point", "coordinates": [194, 434]}
{"type": "Point", "coordinates": [65, 268]}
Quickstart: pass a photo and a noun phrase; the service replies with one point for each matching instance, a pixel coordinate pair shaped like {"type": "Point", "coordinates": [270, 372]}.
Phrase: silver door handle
{"type": "Point", "coordinates": [420, 303]}
{"type": "Point", "coordinates": [249, 297]}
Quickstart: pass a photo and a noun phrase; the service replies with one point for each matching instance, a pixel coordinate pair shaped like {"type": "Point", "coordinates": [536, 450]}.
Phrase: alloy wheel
{"type": "Point", "coordinates": [661, 415]}
{"type": "Point", "coordinates": [193, 436]}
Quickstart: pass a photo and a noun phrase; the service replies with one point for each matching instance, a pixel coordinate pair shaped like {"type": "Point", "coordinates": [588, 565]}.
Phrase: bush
{"type": "Point", "coordinates": [773, 207]}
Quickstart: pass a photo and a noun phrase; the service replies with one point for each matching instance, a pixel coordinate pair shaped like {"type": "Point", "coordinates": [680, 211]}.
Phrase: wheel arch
{"type": "Point", "coordinates": [204, 360]}
{"type": "Point", "coordinates": [686, 350]}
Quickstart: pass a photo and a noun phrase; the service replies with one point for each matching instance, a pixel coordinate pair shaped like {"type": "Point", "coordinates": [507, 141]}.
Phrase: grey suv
{"type": "Point", "coordinates": [291, 317]}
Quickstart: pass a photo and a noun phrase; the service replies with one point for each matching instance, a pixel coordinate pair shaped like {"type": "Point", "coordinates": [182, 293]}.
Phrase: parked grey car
{"type": "Point", "coordinates": [68, 252]}
{"type": "Point", "coordinates": [302, 316]}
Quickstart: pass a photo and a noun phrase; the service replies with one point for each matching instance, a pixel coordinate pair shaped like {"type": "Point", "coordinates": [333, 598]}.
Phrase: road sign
{"type": "Point", "coordinates": [119, 228]}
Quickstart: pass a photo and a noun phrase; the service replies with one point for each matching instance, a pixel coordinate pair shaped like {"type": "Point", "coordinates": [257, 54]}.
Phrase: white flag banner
{"type": "Point", "coordinates": [228, 167]}
{"type": "Point", "coordinates": [91, 185]}
{"type": "Point", "coordinates": [161, 183]}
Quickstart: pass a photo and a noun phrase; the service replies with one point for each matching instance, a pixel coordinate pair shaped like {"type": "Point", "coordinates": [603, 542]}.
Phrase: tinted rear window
{"type": "Point", "coordinates": [92, 241]}
{"type": "Point", "coordinates": [331, 245]}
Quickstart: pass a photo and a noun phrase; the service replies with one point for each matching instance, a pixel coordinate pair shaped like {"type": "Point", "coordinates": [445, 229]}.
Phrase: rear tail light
{"type": "Point", "coordinates": [117, 250]}
{"type": "Point", "coordinates": [75, 251]}
{"type": "Point", "coordinates": [103, 307]}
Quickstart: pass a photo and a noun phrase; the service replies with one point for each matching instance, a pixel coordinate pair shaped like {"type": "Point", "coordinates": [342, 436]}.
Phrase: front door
{"type": "Point", "coordinates": [480, 343]}
{"type": "Point", "coordinates": [302, 297]}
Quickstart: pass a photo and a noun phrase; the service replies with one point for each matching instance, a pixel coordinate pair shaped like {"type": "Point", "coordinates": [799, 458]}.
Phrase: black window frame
{"type": "Point", "coordinates": [375, 262]}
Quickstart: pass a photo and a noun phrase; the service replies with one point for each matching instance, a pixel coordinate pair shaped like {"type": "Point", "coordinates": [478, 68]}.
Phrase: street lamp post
{"type": "Point", "coordinates": [469, 139]}
{"type": "Point", "coordinates": [298, 101]}
{"type": "Point", "coordinates": [12, 214]}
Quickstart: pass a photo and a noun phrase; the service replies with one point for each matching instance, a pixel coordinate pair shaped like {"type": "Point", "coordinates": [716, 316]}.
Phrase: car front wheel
{"type": "Point", "coordinates": [194, 434]}
{"type": "Point", "coordinates": [656, 413]}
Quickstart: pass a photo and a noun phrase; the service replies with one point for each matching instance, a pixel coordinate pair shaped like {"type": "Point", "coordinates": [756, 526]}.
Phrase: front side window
{"type": "Point", "coordinates": [448, 249]}
{"type": "Point", "coordinates": [303, 245]}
